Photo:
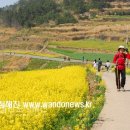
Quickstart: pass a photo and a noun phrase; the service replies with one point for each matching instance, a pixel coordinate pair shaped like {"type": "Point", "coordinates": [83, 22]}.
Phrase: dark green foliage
{"type": "Point", "coordinates": [66, 18]}
{"type": "Point", "coordinates": [78, 6]}
{"type": "Point", "coordinates": [35, 12]}
{"type": "Point", "coordinates": [98, 4]}
{"type": "Point", "coordinates": [30, 13]}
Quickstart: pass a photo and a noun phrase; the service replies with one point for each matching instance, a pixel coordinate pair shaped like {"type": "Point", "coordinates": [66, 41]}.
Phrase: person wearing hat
{"type": "Point", "coordinates": [120, 60]}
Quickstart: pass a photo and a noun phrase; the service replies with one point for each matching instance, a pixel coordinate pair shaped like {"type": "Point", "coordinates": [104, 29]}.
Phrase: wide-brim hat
{"type": "Point", "coordinates": [121, 47]}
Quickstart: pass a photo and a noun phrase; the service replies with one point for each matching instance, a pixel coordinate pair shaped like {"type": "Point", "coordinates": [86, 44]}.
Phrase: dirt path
{"type": "Point", "coordinates": [116, 112]}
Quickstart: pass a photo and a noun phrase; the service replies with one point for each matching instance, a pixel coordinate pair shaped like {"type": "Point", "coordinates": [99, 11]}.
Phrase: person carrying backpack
{"type": "Point", "coordinates": [107, 65]}
{"type": "Point", "coordinates": [99, 65]}
{"type": "Point", "coordinates": [120, 60]}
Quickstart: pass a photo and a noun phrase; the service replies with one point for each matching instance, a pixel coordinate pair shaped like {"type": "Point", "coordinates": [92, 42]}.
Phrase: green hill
{"type": "Point", "coordinates": [35, 12]}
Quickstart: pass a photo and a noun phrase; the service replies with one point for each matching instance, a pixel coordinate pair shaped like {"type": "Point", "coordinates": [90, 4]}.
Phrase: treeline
{"type": "Point", "coordinates": [34, 12]}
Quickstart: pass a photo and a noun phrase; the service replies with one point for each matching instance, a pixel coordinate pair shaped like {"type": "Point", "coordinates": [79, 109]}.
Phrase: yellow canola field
{"type": "Point", "coordinates": [67, 84]}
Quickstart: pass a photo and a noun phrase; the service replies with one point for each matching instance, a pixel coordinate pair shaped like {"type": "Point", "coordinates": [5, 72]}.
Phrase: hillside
{"type": "Point", "coordinates": [98, 25]}
{"type": "Point", "coordinates": [107, 28]}
{"type": "Point", "coordinates": [30, 13]}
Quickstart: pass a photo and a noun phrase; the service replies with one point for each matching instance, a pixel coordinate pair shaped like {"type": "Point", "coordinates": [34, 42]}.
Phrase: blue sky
{"type": "Point", "coordinates": [7, 2]}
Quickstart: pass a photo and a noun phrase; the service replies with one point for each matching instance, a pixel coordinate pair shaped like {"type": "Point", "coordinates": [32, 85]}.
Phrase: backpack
{"type": "Point", "coordinates": [121, 59]}
{"type": "Point", "coordinates": [100, 63]}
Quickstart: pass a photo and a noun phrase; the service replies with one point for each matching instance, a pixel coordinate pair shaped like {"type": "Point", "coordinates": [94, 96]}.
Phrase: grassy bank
{"type": "Point", "coordinates": [36, 64]}
{"type": "Point", "coordinates": [90, 44]}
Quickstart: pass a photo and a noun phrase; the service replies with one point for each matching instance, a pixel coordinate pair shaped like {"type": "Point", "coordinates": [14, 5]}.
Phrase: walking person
{"type": "Point", "coordinates": [65, 58]}
{"type": "Point", "coordinates": [120, 70]}
{"type": "Point", "coordinates": [68, 58]}
{"type": "Point", "coordinates": [99, 65]}
{"type": "Point", "coordinates": [95, 64]}
{"type": "Point", "coordinates": [107, 65]}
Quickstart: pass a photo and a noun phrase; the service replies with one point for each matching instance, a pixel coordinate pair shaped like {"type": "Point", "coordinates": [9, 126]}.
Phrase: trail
{"type": "Point", "coordinates": [48, 58]}
{"type": "Point", "coordinates": [116, 112]}
{"type": "Point", "coordinates": [43, 58]}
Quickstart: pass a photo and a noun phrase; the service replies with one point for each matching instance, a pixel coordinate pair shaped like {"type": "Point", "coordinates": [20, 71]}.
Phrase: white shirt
{"type": "Point", "coordinates": [108, 64]}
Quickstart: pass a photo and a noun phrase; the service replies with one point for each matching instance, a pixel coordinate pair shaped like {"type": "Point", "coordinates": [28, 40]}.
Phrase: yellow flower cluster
{"type": "Point", "coordinates": [67, 84]}
{"type": "Point", "coordinates": [128, 71]}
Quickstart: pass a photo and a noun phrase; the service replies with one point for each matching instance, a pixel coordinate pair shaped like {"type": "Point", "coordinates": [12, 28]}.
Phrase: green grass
{"type": "Point", "coordinates": [52, 65]}
{"type": "Point", "coordinates": [89, 44]}
{"type": "Point", "coordinates": [117, 16]}
{"type": "Point", "coordinates": [36, 64]}
{"type": "Point", "coordinates": [2, 64]}
{"type": "Point", "coordinates": [88, 56]}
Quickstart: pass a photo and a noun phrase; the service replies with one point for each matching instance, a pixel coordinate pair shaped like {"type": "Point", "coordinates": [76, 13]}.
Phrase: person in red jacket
{"type": "Point", "coordinates": [120, 61]}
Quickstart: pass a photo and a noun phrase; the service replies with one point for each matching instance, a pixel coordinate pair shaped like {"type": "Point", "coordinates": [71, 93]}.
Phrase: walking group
{"type": "Point", "coordinates": [98, 65]}
{"type": "Point", "coordinates": [120, 60]}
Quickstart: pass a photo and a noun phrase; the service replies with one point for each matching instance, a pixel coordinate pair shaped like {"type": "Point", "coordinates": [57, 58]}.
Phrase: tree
{"type": "Point", "coordinates": [78, 6]}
